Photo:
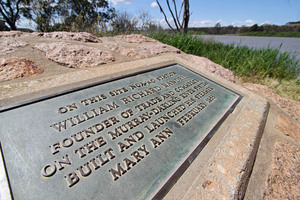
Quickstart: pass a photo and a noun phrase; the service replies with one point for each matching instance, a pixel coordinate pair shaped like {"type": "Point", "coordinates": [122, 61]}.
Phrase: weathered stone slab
{"type": "Point", "coordinates": [291, 107]}
{"type": "Point", "coordinates": [81, 36]}
{"type": "Point", "coordinates": [226, 173]}
{"type": "Point", "coordinates": [75, 56]}
{"type": "Point", "coordinates": [123, 139]}
{"type": "Point", "coordinates": [10, 34]}
{"type": "Point", "coordinates": [10, 46]}
{"type": "Point", "coordinates": [212, 67]}
{"type": "Point", "coordinates": [11, 68]}
{"type": "Point", "coordinates": [130, 52]}
{"type": "Point", "coordinates": [135, 38]}
{"type": "Point", "coordinates": [283, 179]}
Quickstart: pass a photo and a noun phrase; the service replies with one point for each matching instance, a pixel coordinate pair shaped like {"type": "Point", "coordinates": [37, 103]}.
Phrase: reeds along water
{"type": "Point", "coordinates": [242, 60]}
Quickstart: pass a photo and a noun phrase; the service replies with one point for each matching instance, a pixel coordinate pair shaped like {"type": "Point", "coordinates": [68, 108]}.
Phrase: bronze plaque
{"type": "Point", "coordinates": [128, 138]}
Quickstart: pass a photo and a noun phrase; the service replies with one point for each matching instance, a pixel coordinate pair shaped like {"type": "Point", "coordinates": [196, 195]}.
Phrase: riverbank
{"type": "Point", "coordinates": [268, 66]}
{"type": "Point", "coordinates": [255, 34]}
{"type": "Point", "coordinates": [272, 34]}
{"type": "Point", "coordinates": [284, 44]}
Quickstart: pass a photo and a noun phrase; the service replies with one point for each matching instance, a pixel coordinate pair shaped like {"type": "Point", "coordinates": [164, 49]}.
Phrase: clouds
{"type": "Point", "coordinates": [203, 23]}
{"type": "Point", "coordinates": [206, 23]}
{"type": "Point", "coordinates": [115, 2]}
{"type": "Point", "coordinates": [265, 23]}
{"type": "Point", "coordinates": [154, 5]}
{"type": "Point", "coordinates": [211, 23]}
{"type": "Point", "coordinates": [248, 22]}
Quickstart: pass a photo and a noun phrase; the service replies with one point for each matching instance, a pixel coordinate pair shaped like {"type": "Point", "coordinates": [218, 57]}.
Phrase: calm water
{"type": "Point", "coordinates": [287, 44]}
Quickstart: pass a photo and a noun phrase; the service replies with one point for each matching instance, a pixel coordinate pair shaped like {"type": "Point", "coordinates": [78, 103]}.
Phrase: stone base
{"type": "Point", "coordinates": [236, 152]}
{"type": "Point", "coordinates": [223, 167]}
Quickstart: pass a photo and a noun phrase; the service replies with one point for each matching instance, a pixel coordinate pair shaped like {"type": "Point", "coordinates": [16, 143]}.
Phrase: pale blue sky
{"type": "Point", "coordinates": [227, 12]}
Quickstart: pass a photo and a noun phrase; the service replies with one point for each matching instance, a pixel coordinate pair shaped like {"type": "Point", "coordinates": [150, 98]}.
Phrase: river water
{"type": "Point", "coordinates": [287, 44]}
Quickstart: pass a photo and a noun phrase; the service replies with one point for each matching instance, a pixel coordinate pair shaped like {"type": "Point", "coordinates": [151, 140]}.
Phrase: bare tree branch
{"type": "Point", "coordinates": [166, 19]}
{"type": "Point", "coordinates": [11, 11]}
{"type": "Point", "coordinates": [181, 7]}
{"type": "Point", "coordinates": [177, 17]}
{"type": "Point", "coordinates": [181, 23]}
{"type": "Point", "coordinates": [170, 10]}
{"type": "Point", "coordinates": [186, 15]}
{"type": "Point", "coordinates": [18, 10]}
{"type": "Point", "coordinates": [3, 9]}
{"type": "Point", "coordinates": [3, 14]}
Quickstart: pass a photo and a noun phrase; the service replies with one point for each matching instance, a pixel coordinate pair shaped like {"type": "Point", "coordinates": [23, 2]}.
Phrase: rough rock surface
{"type": "Point", "coordinates": [10, 34]}
{"type": "Point", "coordinates": [289, 128]}
{"type": "Point", "coordinates": [11, 68]}
{"type": "Point", "coordinates": [291, 107]}
{"type": "Point", "coordinates": [230, 163]}
{"type": "Point", "coordinates": [135, 38]}
{"type": "Point", "coordinates": [81, 36]}
{"type": "Point", "coordinates": [212, 67]}
{"type": "Point", "coordinates": [130, 52]}
{"type": "Point", "coordinates": [10, 46]}
{"type": "Point", "coordinates": [75, 56]}
{"type": "Point", "coordinates": [284, 179]}
{"type": "Point", "coordinates": [157, 48]}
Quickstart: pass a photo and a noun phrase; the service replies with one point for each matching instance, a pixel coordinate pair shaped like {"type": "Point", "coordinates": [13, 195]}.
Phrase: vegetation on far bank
{"type": "Point", "coordinates": [259, 34]}
{"type": "Point", "coordinates": [288, 30]}
{"type": "Point", "coordinates": [272, 34]}
{"type": "Point", "coordinates": [251, 65]}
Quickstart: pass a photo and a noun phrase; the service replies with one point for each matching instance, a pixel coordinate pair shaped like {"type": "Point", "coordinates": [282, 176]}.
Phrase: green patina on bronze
{"type": "Point", "coordinates": [123, 139]}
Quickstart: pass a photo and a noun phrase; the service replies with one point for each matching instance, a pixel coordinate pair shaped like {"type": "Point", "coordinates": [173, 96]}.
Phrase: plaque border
{"type": "Point", "coordinates": [57, 94]}
{"type": "Point", "coordinates": [171, 181]}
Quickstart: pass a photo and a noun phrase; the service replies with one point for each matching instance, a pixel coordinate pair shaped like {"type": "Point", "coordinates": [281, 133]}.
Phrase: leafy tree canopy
{"type": "Point", "coordinates": [79, 15]}
{"type": "Point", "coordinates": [10, 11]}
{"type": "Point", "coordinates": [49, 15]}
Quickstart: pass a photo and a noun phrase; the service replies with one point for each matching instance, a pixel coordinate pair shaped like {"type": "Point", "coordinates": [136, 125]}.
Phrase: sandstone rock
{"type": "Point", "coordinates": [10, 34]}
{"type": "Point", "coordinates": [130, 52]}
{"type": "Point", "coordinates": [75, 56]}
{"type": "Point", "coordinates": [284, 179]}
{"type": "Point", "coordinates": [291, 107]}
{"type": "Point", "coordinates": [11, 68]}
{"type": "Point", "coordinates": [81, 36]}
{"type": "Point", "coordinates": [135, 38]}
{"type": "Point", "coordinates": [288, 127]}
{"type": "Point", "coordinates": [10, 46]}
{"type": "Point", "coordinates": [212, 67]}
{"type": "Point", "coordinates": [157, 48]}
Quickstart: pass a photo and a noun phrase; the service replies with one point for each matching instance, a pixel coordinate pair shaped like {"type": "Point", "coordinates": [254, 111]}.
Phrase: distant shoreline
{"type": "Point", "coordinates": [272, 34]}
{"type": "Point", "coordinates": [257, 34]}
{"type": "Point", "coordinates": [259, 42]}
{"type": "Point", "coordinates": [291, 29]}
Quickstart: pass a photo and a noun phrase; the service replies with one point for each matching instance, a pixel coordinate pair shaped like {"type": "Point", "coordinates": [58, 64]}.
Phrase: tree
{"type": "Point", "coordinates": [217, 28]}
{"type": "Point", "coordinates": [42, 13]}
{"type": "Point", "coordinates": [3, 27]}
{"type": "Point", "coordinates": [180, 22]}
{"type": "Point", "coordinates": [254, 28]}
{"type": "Point", "coordinates": [124, 22]}
{"type": "Point", "coordinates": [144, 20]}
{"type": "Point", "coordinates": [81, 15]}
{"type": "Point", "coordinates": [11, 9]}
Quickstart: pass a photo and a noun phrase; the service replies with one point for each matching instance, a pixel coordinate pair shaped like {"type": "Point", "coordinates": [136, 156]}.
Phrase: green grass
{"type": "Point", "coordinates": [243, 61]}
{"type": "Point", "coordinates": [252, 65]}
{"type": "Point", "coordinates": [285, 88]}
{"type": "Point", "coordinates": [196, 33]}
{"type": "Point", "coordinates": [272, 34]}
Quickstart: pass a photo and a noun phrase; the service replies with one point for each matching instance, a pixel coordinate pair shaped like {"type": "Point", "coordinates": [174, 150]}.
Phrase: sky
{"type": "Point", "coordinates": [206, 13]}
